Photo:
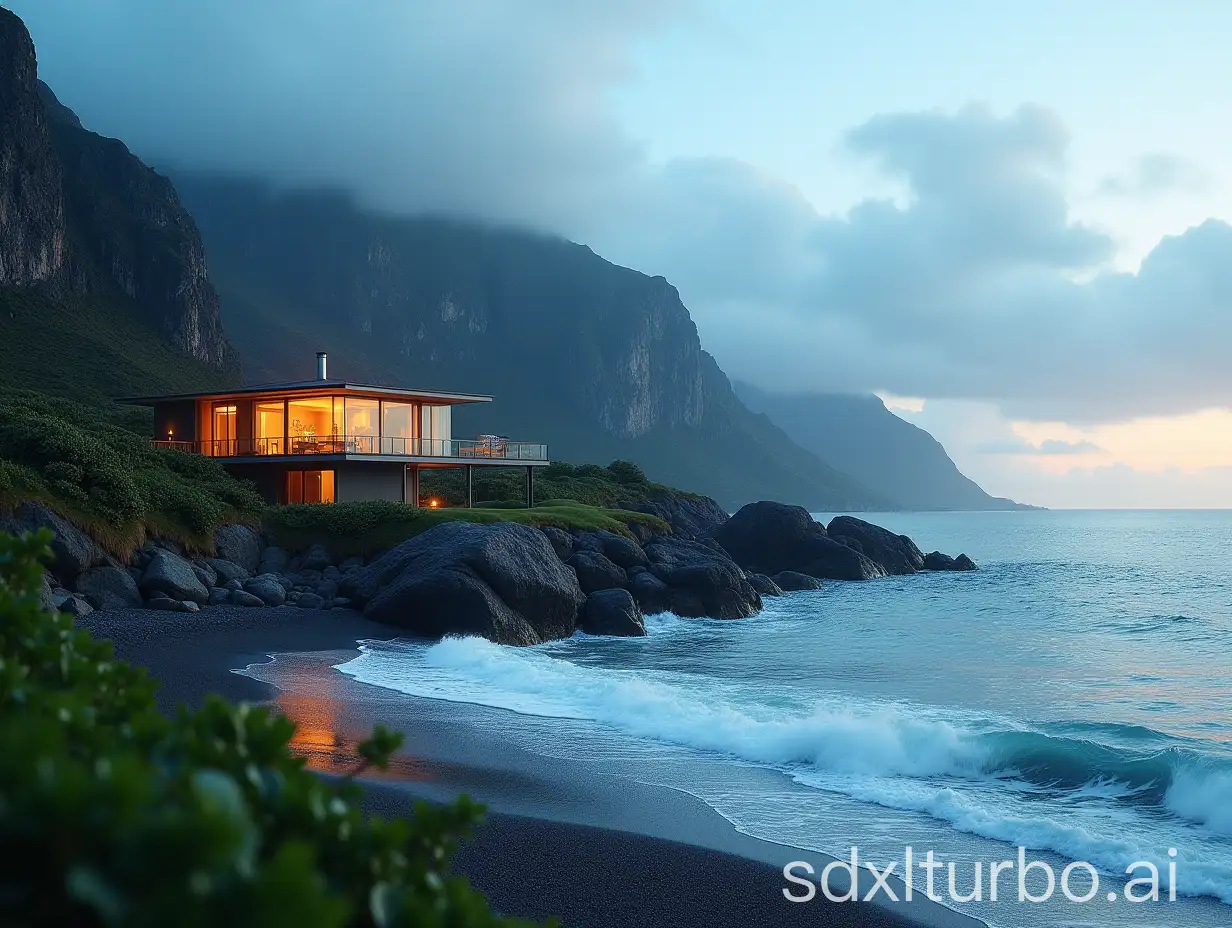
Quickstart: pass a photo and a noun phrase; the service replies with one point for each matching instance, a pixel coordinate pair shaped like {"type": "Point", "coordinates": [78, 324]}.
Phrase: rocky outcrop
{"type": "Point", "coordinates": [702, 580]}
{"type": "Point", "coordinates": [786, 542]}
{"type": "Point", "coordinates": [897, 554]}
{"type": "Point", "coordinates": [72, 549]}
{"type": "Point", "coordinates": [612, 612]}
{"type": "Point", "coordinates": [239, 545]}
{"type": "Point", "coordinates": [650, 593]}
{"type": "Point", "coordinates": [81, 216]}
{"type": "Point", "coordinates": [938, 561]}
{"type": "Point", "coordinates": [793, 582]}
{"type": "Point", "coordinates": [170, 575]}
{"type": "Point", "coordinates": [109, 588]}
{"type": "Point", "coordinates": [768, 538]}
{"type": "Point", "coordinates": [503, 582]}
{"type": "Point", "coordinates": [765, 586]}
{"type": "Point", "coordinates": [596, 572]}
{"type": "Point", "coordinates": [689, 516]}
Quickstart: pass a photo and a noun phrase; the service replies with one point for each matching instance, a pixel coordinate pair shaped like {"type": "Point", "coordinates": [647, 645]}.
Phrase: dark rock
{"type": "Point", "coordinates": [47, 600]}
{"type": "Point", "coordinates": [612, 612]}
{"type": "Point", "coordinates": [274, 560]}
{"type": "Point", "coordinates": [935, 560]}
{"type": "Point", "coordinates": [109, 588]}
{"type": "Point", "coordinates": [689, 516]}
{"type": "Point", "coordinates": [349, 562]}
{"type": "Point", "coordinates": [226, 570]}
{"type": "Point", "coordinates": [327, 589]}
{"type": "Point", "coordinates": [561, 541]}
{"type": "Point", "coordinates": [331, 573]}
{"type": "Point", "coordinates": [244, 598]}
{"type": "Point", "coordinates": [268, 588]}
{"type": "Point", "coordinates": [340, 602]}
{"type": "Point", "coordinates": [219, 596]}
{"type": "Point", "coordinates": [72, 550]}
{"type": "Point", "coordinates": [587, 541]}
{"type": "Point", "coordinates": [135, 573]}
{"type": "Point", "coordinates": [315, 558]}
{"type": "Point", "coordinates": [502, 581]}
{"type": "Point", "coordinates": [687, 604]}
{"type": "Point", "coordinates": [596, 572]}
{"type": "Point", "coordinates": [309, 601]}
{"type": "Point", "coordinates": [166, 544]}
{"type": "Point", "coordinates": [167, 604]}
{"type": "Point", "coordinates": [72, 604]}
{"type": "Point", "coordinates": [205, 573]}
{"type": "Point", "coordinates": [171, 575]}
{"type": "Point", "coordinates": [238, 544]}
{"type": "Point", "coordinates": [233, 585]}
{"type": "Point", "coordinates": [294, 565]}
{"type": "Point", "coordinates": [792, 581]}
{"type": "Point", "coordinates": [764, 585]}
{"type": "Point", "coordinates": [621, 551]}
{"type": "Point", "coordinates": [720, 585]}
{"type": "Point", "coordinates": [962, 562]}
{"type": "Point", "coordinates": [897, 554]}
{"type": "Point", "coordinates": [651, 594]}
{"type": "Point", "coordinates": [769, 537]}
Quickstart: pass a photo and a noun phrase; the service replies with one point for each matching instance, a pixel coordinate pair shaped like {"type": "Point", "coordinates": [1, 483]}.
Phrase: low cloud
{"type": "Point", "coordinates": [1156, 174]}
{"type": "Point", "coordinates": [979, 285]}
{"type": "Point", "coordinates": [1017, 445]}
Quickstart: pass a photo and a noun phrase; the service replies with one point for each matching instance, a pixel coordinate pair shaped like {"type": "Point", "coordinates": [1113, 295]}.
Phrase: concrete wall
{"type": "Point", "coordinates": [362, 480]}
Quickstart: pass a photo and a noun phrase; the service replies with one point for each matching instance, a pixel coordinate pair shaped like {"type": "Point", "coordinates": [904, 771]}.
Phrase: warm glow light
{"type": "Point", "coordinates": [434, 503]}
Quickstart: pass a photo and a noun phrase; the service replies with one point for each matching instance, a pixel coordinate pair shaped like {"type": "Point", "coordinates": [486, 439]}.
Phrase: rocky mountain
{"type": "Point", "coordinates": [857, 434]}
{"type": "Point", "coordinates": [598, 360]}
{"type": "Point", "coordinates": [83, 220]}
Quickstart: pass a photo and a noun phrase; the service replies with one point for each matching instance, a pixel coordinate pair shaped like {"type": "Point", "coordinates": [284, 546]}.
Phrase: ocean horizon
{"type": "Point", "coordinates": [1069, 697]}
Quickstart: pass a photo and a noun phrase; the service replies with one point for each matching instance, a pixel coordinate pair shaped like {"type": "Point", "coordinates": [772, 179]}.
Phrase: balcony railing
{"type": "Point", "coordinates": [486, 448]}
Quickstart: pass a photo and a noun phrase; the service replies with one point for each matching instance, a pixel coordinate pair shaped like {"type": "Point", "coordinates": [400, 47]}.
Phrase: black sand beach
{"type": "Point", "coordinates": [590, 849]}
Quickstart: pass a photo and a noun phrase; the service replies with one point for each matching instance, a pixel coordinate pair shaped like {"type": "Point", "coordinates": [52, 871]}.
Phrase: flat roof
{"type": "Point", "coordinates": [316, 386]}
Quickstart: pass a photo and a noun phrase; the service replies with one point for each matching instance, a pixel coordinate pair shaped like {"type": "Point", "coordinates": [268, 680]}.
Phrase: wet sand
{"type": "Point", "coordinates": [559, 839]}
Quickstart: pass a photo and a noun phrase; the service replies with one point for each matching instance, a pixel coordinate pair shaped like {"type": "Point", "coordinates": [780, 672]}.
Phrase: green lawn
{"type": "Point", "coordinates": [366, 528]}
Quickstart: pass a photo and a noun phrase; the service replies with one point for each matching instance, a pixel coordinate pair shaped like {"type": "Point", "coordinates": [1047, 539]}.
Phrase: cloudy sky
{"type": "Point", "coordinates": [1008, 219]}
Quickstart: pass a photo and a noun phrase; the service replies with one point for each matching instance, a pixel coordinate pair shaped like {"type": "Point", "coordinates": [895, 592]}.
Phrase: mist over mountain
{"type": "Point", "coordinates": [859, 435]}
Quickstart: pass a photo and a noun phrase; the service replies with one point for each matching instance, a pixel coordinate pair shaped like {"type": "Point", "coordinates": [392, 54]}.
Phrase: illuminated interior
{"type": "Point", "coordinates": [310, 486]}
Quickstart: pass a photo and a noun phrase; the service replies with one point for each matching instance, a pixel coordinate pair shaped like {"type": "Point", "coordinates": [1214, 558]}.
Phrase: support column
{"type": "Point", "coordinates": [530, 488]}
{"type": "Point", "coordinates": [470, 486]}
{"type": "Point", "coordinates": [413, 470]}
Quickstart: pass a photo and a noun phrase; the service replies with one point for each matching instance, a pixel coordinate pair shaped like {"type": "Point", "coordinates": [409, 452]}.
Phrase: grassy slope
{"type": "Point", "coordinates": [88, 350]}
{"type": "Point", "coordinates": [365, 528]}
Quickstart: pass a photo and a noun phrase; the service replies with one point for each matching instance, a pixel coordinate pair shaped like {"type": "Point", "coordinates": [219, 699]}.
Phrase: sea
{"type": "Point", "coordinates": [1072, 697]}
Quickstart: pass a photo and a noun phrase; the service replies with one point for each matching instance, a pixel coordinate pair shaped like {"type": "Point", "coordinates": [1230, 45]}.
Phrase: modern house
{"type": "Point", "coordinates": [323, 440]}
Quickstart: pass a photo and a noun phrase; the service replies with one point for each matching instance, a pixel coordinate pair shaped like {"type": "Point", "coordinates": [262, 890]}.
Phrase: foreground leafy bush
{"type": "Point", "coordinates": [109, 480]}
{"type": "Point", "coordinates": [112, 815]}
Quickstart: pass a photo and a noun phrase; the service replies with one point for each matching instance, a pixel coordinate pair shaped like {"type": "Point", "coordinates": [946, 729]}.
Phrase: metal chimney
{"type": "Point", "coordinates": [321, 359]}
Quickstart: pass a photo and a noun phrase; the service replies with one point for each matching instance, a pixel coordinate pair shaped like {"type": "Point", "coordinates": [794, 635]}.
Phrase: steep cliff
{"type": "Point", "coordinates": [598, 360]}
{"type": "Point", "coordinates": [859, 435]}
{"type": "Point", "coordinates": [32, 230]}
{"type": "Point", "coordinates": [83, 221]}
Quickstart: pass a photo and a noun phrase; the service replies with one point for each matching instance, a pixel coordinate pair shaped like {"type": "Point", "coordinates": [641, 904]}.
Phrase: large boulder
{"type": "Point", "coordinates": [596, 572]}
{"type": "Point", "coordinates": [769, 537]}
{"type": "Point", "coordinates": [502, 582]}
{"type": "Point", "coordinates": [612, 612]}
{"type": "Point", "coordinates": [226, 570]}
{"type": "Point", "coordinates": [561, 541]}
{"type": "Point", "coordinates": [935, 560]}
{"type": "Point", "coordinates": [172, 576]}
{"type": "Point", "coordinates": [792, 581]}
{"type": "Point", "coordinates": [650, 593]}
{"type": "Point", "coordinates": [72, 549]}
{"type": "Point", "coordinates": [238, 544]}
{"type": "Point", "coordinates": [689, 516]}
{"type": "Point", "coordinates": [623, 552]}
{"type": "Point", "coordinates": [274, 560]}
{"type": "Point", "coordinates": [897, 554]}
{"type": "Point", "coordinates": [316, 558]}
{"type": "Point", "coordinates": [109, 588]}
{"type": "Point", "coordinates": [765, 586]}
{"type": "Point", "coordinates": [268, 588]}
{"type": "Point", "coordinates": [703, 579]}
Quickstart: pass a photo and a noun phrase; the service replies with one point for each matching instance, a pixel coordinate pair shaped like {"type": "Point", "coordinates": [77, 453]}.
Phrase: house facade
{"type": "Point", "coordinates": [326, 440]}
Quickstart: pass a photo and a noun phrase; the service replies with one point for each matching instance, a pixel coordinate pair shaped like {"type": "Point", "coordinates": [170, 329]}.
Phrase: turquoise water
{"type": "Point", "coordinates": [1072, 696]}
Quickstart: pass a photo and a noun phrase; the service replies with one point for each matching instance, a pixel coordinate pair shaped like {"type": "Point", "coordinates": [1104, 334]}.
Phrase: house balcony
{"type": "Point", "coordinates": [463, 451]}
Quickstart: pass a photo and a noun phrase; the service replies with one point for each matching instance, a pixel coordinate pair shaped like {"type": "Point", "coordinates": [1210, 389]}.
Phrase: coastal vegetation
{"type": "Point", "coordinates": [368, 527]}
{"type": "Point", "coordinates": [90, 464]}
{"type": "Point", "coordinates": [127, 817]}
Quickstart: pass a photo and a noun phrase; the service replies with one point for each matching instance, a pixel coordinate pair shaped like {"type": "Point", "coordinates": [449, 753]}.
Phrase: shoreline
{"type": "Point", "coordinates": [590, 847]}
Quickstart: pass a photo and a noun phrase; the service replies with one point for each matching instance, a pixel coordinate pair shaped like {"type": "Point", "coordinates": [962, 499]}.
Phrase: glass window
{"type": "Point", "coordinates": [310, 486]}
{"type": "Point", "coordinates": [270, 427]}
{"type": "Point", "coordinates": [362, 425]}
{"type": "Point", "coordinates": [224, 430]}
{"type": "Point", "coordinates": [437, 427]}
{"type": "Point", "coordinates": [312, 426]}
{"type": "Point", "coordinates": [397, 428]}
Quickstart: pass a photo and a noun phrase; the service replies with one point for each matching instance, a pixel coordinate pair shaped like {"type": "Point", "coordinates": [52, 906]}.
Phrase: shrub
{"type": "Point", "coordinates": [626, 472]}
{"type": "Point", "coordinates": [111, 814]}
